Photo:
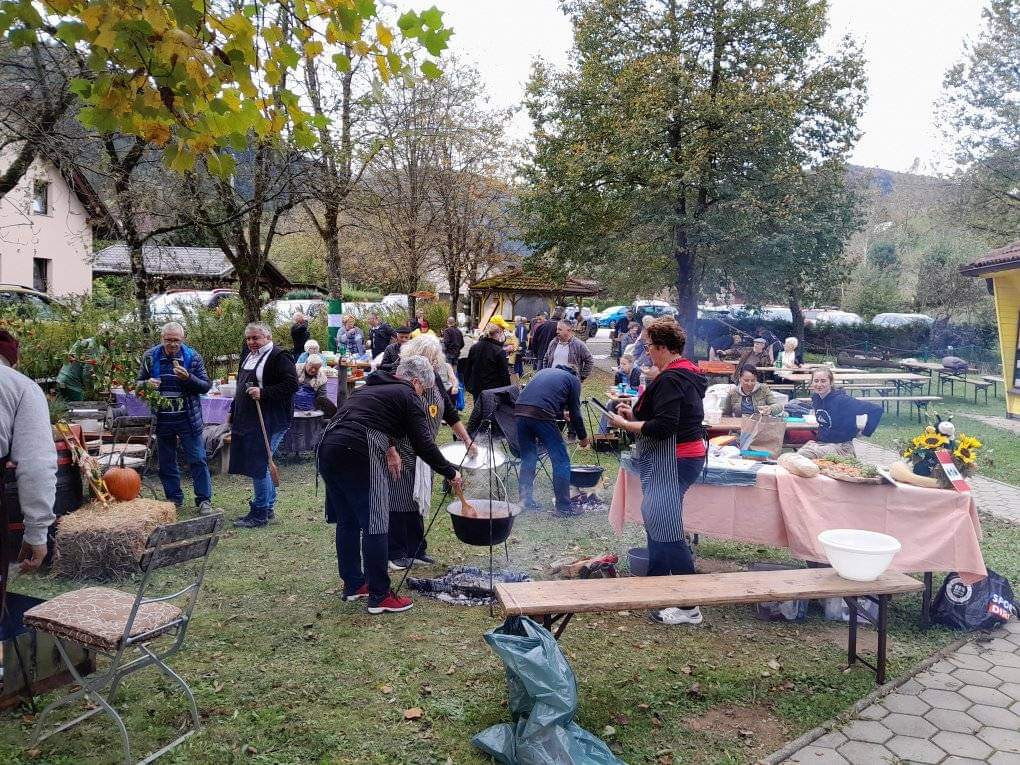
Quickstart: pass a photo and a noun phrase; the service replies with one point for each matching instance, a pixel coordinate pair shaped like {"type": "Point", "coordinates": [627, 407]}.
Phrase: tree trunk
{"type": "Point", "coordinates": [140, 277]}
{"type": "Point", "coordinates": [686, 288]}
{"type": "Point", "coordinates": [334, 262]}
{"type": "Point", "coordinates": [797, 315]}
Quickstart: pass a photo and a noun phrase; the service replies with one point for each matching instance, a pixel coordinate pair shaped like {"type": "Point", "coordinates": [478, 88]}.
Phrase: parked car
{"type": "Point", "coordinates": [835, 317]}
{"type": "Point", "coordinates": [169, 306]}
{"type": "Point", "coordinates": [608, 317]}
{"type": "Point", "coordinates": [769, 313]}
{"type": "Point", "coordinates": [901, 319]}
{"type": "Point", "coordinates": [655, 308]}
{"type": "Point", "coordinates": [285, 309]}
{"type": "Point", "coordinates": [29, 303]}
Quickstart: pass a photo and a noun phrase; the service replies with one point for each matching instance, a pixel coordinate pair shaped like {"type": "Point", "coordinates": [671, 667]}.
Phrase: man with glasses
{"type": "Point", "coordinates": [178, 371]}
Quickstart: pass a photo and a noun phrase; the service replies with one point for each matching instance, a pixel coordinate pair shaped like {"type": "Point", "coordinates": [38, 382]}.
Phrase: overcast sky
{"type": "Point", "coordinates": [909, 44]}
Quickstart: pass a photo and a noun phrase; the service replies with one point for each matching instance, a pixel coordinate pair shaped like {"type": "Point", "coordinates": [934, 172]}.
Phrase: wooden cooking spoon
{"type": "Point", "coordinates": [466, 507]}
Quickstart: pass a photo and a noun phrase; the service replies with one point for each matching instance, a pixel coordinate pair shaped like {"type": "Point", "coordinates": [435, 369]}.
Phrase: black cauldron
{"type": "Point", "coordinates": [585, 476]}
{"type": "Point", "coordinates": [477, 528]}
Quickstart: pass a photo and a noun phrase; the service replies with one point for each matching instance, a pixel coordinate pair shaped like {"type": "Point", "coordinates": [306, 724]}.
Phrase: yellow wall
{"type": "Point", "coordinates": [1007, 308]}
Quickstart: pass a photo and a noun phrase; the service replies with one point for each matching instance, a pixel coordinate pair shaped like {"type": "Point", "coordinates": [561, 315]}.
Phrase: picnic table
{"type": "Point", "coordinates": [938, 528]}
{"type": "Point", "coordinates": [835, 370]}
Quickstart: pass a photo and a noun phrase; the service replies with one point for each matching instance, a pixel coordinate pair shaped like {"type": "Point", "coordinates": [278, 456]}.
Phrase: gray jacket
{"type": "Point", "coordinates": [578, 356]}
{"type": "Point", "coordinates": [27, 438]}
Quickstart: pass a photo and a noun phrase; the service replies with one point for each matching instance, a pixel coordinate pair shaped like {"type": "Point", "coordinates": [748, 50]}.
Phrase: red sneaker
{"type": "Point", "coordinates": [360, 594]}
{"type": "Point", "coordinates": [393, 603]}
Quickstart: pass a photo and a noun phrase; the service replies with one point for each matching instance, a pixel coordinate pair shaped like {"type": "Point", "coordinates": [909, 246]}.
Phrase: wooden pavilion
{"type": "Point", "coordinates": [517, 293]}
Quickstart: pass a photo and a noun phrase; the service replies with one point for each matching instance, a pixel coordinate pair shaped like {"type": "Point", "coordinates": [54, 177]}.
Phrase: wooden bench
{"type": "Point", "coordinates": [920, 402]}
{"type": "Point", "coordinates": [952, 378]}
{"type": "Point", "coordinates": [558, 600]}
{"type": "Point", "coordinates": [996, 381]}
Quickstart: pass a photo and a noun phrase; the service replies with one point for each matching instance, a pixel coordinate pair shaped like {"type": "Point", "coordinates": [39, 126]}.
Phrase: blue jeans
{"type": "Point", "coordinates": [170, 475]}
{"type": "Point", "coordinates": [530, 433]}
{"type": "Point", "coordinates": [460, 393]}
{"type": "Point", "coordinates": [264, 493]}
{"type": "Point", "coordinates": [665, 558]}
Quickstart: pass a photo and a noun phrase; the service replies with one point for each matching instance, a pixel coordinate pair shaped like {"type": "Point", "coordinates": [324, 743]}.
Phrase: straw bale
{"type": "Point", "coordinates": [98, 543]}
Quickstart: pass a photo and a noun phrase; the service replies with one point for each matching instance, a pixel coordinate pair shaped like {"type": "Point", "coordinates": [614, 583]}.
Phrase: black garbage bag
{"type": "Point", "coordinates": [543, 702]}
{"type": "Point", "coordinates": [984, 605]}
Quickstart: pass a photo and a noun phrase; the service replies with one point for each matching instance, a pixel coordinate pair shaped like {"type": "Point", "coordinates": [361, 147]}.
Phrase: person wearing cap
{"type": "Point", "coordinates": [391, 356]}
{"type": "Point", "coordinates": [26, 438]}
{"type": "Point", "coordinates": [757, 356]}
{"type": "Point", "coordinates": [540, 404]}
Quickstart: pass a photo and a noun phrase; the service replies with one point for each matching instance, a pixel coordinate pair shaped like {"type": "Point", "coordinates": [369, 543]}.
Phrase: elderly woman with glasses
{"type": "Point", "coordinates": [359, 468]}
{"type": "Point", "coordinates": [266, 384]}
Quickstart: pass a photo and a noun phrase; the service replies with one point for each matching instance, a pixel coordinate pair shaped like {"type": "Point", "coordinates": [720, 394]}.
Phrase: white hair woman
{"type": "Point", "coordinates": [354, 463]}
{"type": "Point", "coordinates": [411, 493]}
{"type": "Point", "coordinates": [311, 346]}
{"type": "Point", "coordinates": [312, 390]}
{"type": "Point", "coordinates": [791, 357]}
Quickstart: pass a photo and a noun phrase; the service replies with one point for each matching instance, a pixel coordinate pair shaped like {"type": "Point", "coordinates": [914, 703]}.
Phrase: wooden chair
{"type": "Point", "coordinates": [124, 627]}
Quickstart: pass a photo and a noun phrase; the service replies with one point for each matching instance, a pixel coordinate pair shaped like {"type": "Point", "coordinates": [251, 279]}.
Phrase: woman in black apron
{"type": "Point", "coordinates": [352, 461]}
{"type": "Point", "coordinates": [669, 453]}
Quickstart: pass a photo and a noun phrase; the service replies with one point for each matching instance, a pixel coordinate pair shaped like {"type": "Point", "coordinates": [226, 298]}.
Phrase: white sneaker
{"type": "Point", "coordinates": [673, 616]}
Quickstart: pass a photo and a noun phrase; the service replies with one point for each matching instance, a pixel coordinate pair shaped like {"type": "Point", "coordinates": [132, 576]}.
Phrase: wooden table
{"type": "Point", "coordinates": [856, 376]}
{"type": "Point", "coordinates": [345, 386]}
{"type": "Point", "coordinates": [809, 366]}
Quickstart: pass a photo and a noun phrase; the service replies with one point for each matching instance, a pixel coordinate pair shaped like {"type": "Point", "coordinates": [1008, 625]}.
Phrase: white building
{"type": "Point", "coordinates": [45, 234]}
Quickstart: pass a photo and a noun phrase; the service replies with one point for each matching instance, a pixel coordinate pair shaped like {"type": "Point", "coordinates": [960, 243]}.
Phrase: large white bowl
{"type": "Point", "coordinates": [858, 555]}
{"type": "Point", "coordinates": [456, 454]}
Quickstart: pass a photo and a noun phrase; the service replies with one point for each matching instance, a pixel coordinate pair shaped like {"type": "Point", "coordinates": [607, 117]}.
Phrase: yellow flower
{"type": "Point", "coordinates": [931, 441]}
{"type": "Point", "coordinates": [907, 453]}
{"type": "Point", "coordinates": [969, 442]}
{"type": "Point", "coordinates": [965, 454]}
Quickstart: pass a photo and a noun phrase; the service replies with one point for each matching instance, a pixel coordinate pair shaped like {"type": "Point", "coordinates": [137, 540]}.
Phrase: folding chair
{"type": "Point", "coordinates": [131, 445]}
{"type": "Point", "coordinates": [121, 627]}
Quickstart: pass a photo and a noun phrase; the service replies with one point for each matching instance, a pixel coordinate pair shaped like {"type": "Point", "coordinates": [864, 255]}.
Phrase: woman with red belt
{"type": "Point", "coordinates": [669, 454]}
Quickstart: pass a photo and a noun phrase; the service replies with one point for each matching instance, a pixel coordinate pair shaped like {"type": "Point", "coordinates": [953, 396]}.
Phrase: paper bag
{"type": "Point", "coordinates": [762, 433]}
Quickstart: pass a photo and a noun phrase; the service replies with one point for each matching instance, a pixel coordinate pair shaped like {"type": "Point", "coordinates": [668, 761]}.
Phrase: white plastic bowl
{"type": "Point", "coordinates": [858, 555]}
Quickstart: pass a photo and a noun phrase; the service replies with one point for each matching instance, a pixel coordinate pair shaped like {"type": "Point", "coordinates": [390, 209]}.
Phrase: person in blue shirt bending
{"type": "Point", "coordinates": [841, 417]}
{"type": "Point", "coordinates": [539, 406]}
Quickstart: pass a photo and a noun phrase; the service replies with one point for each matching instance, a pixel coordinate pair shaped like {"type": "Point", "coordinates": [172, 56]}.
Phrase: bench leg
{"type": "Point", "coordinates": [549, 621]}
{"type": "Point", "coordinates": [926, 601]}
{"type": "Point", "coordinates": [883, 624]}
{"type": "Point", "coordinates": [851, 641]}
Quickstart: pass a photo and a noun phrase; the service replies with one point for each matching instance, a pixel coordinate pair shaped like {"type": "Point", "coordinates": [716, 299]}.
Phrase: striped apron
{"type": "Point", "coordinates": [412, 492]}
{"type": "Point", "coordinates": [662, 503]}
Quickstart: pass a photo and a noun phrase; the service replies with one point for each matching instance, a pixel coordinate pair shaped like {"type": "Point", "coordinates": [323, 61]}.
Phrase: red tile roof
{"type": "Point", "coordinates": [1002, 259]}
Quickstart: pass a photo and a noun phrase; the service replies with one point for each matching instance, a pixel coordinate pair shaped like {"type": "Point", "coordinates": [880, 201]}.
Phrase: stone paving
{"type": "Point", "coordinates": [963, 710]}
{"type": "Point", "coordinates": [993, 497]}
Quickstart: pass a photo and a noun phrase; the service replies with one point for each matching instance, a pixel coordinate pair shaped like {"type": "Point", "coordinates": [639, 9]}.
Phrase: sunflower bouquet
{"type": "Point", "coordinates": [942, 434]}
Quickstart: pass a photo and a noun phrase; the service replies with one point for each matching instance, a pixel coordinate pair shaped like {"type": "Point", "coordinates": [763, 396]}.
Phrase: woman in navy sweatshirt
{"type": "Point", "coordinates": [837, 414]}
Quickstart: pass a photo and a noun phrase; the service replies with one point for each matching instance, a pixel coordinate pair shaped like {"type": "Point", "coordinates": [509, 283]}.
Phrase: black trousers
{"type": "Point", "coordinates": [407, 536]}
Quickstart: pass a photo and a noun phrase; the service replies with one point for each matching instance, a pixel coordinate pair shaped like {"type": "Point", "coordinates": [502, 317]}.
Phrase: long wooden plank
{"type": "Point", "coordinates": [587, 595]}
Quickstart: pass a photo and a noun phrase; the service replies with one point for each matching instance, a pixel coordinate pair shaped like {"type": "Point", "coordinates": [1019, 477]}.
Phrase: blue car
{"type": "Point", "coordinates": [611, 315]}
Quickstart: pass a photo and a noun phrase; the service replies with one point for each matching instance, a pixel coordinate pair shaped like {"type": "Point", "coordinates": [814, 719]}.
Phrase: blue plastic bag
{"type": "Point", "coordinates": [543, 702]}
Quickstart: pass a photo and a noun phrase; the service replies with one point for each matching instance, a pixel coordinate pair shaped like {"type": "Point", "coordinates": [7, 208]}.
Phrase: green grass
{"type": "Point", "coordinates": [286, 673]}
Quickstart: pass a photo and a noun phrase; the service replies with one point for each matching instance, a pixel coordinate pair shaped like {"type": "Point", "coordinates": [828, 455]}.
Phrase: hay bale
{"type": "Point", "coordinates": [107, 543]}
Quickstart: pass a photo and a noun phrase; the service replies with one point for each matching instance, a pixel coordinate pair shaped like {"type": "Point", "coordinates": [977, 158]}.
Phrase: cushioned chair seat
{"type": "Point", "coordinates": [96, 616]}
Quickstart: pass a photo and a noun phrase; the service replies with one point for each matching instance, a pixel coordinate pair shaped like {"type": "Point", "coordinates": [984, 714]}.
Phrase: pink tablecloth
{"type": "Point", "coordinates": [939, 529]}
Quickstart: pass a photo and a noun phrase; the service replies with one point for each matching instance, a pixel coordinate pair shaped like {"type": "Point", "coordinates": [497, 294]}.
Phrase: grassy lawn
{"type": "Point", "coordinates": [286, 673]}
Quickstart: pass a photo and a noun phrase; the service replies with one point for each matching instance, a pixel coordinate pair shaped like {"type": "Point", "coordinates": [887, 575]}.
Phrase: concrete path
{"type": "Point", "coordinates": [993, 497]}
{"type": "Point", "coordinates": [963, 710]}
{"type": "Point", "coordinates": [1013, 426]}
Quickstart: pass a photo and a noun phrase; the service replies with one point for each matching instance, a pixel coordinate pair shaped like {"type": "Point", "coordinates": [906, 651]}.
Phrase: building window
{"type": "Point", "coordinates": [41, 198]}
{"type": "Point", "coordinates": [41, 274]}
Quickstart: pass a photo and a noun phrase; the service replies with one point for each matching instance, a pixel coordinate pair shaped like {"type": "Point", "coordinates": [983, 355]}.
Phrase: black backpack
{"type": "Point", "coordinates": [984, 605]}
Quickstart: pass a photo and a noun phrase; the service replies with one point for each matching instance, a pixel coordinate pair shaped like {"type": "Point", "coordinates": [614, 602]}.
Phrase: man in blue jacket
{"type": "Point", "coordinates": [539, 406]}
{"type": "Point", "coordinates": [841, 418]}
{"type": "Point", "coordinates": [179, 373]}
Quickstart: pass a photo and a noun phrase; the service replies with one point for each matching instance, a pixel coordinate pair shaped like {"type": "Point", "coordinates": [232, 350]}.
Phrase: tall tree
{"type": "Point", "coordinates": [982, 113]}
{"type": "Point", "coordinates": [674, 118]}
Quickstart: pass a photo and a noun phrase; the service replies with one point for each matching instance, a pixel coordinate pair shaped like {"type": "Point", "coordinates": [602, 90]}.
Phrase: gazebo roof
{"type": "Point", "coordinates": [1003, 259]}
{"type": "Point", "coordinates": [518, 282]}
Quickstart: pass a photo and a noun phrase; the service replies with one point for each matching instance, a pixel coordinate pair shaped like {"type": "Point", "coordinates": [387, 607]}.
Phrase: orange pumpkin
{"type": "Point", "coordinates": [123, 483]}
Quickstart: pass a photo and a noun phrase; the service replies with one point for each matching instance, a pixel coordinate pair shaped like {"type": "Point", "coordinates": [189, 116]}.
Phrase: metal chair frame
{"type": "Point", "coordinates": [168, 545]}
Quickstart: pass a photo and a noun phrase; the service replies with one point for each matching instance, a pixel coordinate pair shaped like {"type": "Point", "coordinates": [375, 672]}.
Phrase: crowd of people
{"type": "Point", "coordinates": [378, 453]}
